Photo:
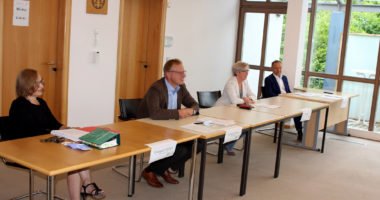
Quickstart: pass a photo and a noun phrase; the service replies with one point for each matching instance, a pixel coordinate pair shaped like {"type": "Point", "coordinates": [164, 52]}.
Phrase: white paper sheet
{"type": "Point", "coordinates": [307, 94]}
{"type": "Point", "coordinates": [331, 96]}
{"type": "Point", "coordinates": [271, 106]}
{"type": "Point", "coordinates": [161, 149]}
{"type": "Point", "coordinates": [344, 103]}
{"type": "Point", "coordinates": [232, 133]}
{"type": "Point", "coordinates": [211, 120]}
{"type": "Point", "coordinates": [306, 114]}
{"type": "Point", "coordinates": [198, 128]}
{"type": "Point", "coordinates": [21, 12]}
{"type": "Point", "coordinates": [71, 134]}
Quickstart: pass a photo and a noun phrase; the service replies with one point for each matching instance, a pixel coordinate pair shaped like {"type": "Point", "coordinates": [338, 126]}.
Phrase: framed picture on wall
{"type": "Point", "coordinates": [97, 7]}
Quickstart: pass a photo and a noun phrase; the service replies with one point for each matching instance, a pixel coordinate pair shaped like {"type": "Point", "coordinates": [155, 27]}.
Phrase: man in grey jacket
{"type": "Point", "coordinates": [163, 102]}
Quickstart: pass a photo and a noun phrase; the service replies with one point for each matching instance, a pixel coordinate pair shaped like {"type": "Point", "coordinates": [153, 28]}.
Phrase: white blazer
{"type": "Point", "coordinates": [231, 93]}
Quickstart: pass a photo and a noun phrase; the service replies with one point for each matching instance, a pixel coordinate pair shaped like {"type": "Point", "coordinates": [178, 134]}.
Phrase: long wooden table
{"type": "Point", "coordinates": [261, 116]}
{"type": "Point", "coordinates": [255, 120]}
{"type": "Point", "coordinates": [224, 112]}
{"type": "Point", "coordinates": [52, 159]}
{"type": "Point", "coordinates": [338, 116]}
{"type": "Point", "coordinates": [291, 107]}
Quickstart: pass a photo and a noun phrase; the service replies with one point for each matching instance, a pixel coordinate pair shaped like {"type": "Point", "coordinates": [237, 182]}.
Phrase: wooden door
{"type": "Point", "coordinates": [34, 46]}
{"type": "Point", "coordinates": [140, 54]}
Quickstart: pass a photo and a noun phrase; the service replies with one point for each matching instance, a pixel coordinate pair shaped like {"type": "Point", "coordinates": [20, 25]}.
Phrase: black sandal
{"type": "Point", "coordinates": [96, 193]}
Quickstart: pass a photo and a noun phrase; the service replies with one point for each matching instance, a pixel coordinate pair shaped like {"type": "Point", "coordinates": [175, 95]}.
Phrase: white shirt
{"type": "Point", "coordinates": [231, 93]}
{"type": "Point", "coordinates": [280, 83]}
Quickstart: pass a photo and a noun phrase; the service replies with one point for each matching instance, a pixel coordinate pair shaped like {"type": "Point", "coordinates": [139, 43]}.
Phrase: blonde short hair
{"type": "Point", "coordinates": [240, 66]}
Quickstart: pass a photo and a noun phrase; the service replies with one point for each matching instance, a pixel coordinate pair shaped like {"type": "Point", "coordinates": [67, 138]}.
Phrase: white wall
{"type": "Point", "coordinates": [91, 92]}
{"type": "Point", "coordinates": [294, 40]}
{"type": "Point", "coordinates": [204, 38]}
{"type": "Point", "coordinates": [204, 34]}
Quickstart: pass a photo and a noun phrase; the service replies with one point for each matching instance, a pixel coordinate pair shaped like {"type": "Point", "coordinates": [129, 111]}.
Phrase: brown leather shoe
{"type": "Point", "coordinates": [168, 178]}
{"type": "Point", "coordinates": [151, 179]}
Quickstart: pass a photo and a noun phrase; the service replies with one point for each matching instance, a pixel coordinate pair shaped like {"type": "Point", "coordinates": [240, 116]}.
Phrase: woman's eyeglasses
{"type": "Point", "coordinates": [54, 139]}
{"type": "Point", "coordinates": [42, 81]}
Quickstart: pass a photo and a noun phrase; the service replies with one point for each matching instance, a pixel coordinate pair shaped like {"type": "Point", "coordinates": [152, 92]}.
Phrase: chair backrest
{"type": "Point", "coordinates": [128, 108]}
{"type": "Point", "coordinates": [4, 135]}
{"type": "Point", "coordinates": [263, 92]}
{"type": "Point", "coordinates": [4, 122]}
{"type": "Point", "coordinates": [207, 99]}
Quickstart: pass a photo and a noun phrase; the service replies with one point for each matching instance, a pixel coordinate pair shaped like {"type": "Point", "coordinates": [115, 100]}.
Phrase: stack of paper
{"type": "Point", "coordinates": [71, 134]}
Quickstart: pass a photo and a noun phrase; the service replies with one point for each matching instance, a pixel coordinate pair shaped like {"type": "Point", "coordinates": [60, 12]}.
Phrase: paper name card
{"type": "Point", "coordinates": [306, 114]}
{"type": "Point", "coordinates": [161, 149]}
{"type": "Point", "coordinates": [232, 133]}
{"type": "Point", "coordinates": [344, 103]}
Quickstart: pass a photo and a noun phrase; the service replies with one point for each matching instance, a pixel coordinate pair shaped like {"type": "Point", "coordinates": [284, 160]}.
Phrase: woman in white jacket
{"type": "Point", "coordinates": [236, 91]}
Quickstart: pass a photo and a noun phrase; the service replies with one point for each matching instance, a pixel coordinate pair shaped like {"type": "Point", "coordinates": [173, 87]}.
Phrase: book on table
{"type": "Point", "coordinates": [100, 138]}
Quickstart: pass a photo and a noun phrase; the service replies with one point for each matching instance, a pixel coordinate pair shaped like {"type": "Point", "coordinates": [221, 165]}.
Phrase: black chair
{"type": "Point", "coordinates": [4, 122]}
{"type": "Point", "coordinates": [207, 99]}
{"type": "Point", "coordinates": [128, 108]}
{"type": "Point", "coordinates": [128, 111]}
{"type": "Point", "coordinates": [263, 92]}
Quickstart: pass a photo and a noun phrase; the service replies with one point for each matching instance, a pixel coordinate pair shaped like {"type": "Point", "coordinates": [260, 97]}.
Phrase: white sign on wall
{"type": "Point", "coordinates": [21, 12]}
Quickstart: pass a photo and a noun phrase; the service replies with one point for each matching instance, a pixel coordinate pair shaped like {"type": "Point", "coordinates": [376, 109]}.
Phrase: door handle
{"type": "Point", "coordinates": [52, 66]}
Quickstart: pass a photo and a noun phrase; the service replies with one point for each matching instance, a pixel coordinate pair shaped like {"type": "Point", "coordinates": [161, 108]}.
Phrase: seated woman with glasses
{"type": "Point", "coordinates": [29, 115]}
{"type": "Point", "coordinates": [236, 91]}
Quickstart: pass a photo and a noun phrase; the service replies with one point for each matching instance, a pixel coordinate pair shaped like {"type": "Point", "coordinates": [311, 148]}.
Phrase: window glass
{"type": "Point", "coordinates": [360, 107]}
{"type": "Point", "coordinates": [253, 38]}
{"type": "Point", "coordinates": [275, 38]}
{"type": "Point", "coordinates": [322, 83]}
{"type": "Point", "coordinates": [328, 31]}
{"type": "Point", "coordinates": [253, 80]}
{"type": "Point", "coordinates": [363, 40]}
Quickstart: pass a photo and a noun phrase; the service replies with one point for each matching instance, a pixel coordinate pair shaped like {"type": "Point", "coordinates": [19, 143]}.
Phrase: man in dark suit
{"type": "Point", "coordinates": [163, 102]}
{"type": "Point", "coordinates": [276, 84]}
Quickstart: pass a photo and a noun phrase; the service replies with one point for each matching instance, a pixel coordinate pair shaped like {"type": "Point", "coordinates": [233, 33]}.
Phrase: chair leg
{"type": "Point", "coordinates": [212, 153]}
{"type": "Point", "coordinates": [275, 132]}
{"type": "Point", "coordinates": [31, 182]}
{"type": "Point", "coordinates": [33, 193]}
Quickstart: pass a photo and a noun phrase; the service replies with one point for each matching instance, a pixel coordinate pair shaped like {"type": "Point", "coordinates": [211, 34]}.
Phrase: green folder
{"type": "Point", "coordinates": [101, 138]}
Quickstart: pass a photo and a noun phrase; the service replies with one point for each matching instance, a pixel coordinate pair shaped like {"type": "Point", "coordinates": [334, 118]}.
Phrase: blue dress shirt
{"type": "Point", "coordinates": [172, 95]}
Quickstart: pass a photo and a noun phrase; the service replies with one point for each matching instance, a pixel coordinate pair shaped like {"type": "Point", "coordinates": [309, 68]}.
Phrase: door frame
{"type": "Point", "coordinates": [65, 15]}
{"type": "Point", "coordinates": [158, 30]}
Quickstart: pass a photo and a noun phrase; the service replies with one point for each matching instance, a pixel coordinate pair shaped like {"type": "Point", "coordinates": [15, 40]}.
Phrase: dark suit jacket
{"type": "Point", "coordinates": [155, 102]}
{"type": "Point", "coordinates": [272, 88]}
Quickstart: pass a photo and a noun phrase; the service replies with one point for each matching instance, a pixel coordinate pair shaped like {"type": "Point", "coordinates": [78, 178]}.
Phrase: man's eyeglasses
{"type": "Point", "coordinates": [178, 72]}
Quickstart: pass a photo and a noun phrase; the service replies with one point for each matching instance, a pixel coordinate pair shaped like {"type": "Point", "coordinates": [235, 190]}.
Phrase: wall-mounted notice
{"type": "Point", "coordinates": [21, 12]}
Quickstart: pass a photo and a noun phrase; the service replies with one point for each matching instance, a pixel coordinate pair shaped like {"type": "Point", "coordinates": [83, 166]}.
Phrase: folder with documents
{"type": "Point", "coordinates": [100, 138]}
